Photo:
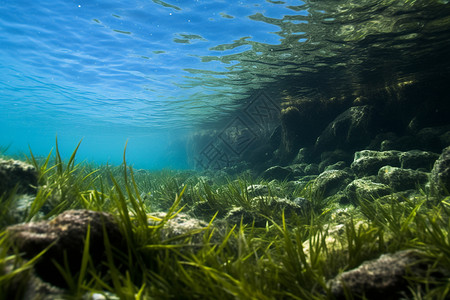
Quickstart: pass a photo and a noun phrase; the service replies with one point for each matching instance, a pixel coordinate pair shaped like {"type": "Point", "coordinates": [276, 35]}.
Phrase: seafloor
{"type": "Point", "coordinates": [375, 228]}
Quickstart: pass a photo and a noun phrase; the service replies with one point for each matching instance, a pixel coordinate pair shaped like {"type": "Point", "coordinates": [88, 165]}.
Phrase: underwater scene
{"type": "Point", "coordinates": [219, 149]}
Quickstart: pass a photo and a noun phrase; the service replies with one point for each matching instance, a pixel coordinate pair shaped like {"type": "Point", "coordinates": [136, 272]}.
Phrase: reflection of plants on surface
{"type": "Point", "coordinates": [290, 257]}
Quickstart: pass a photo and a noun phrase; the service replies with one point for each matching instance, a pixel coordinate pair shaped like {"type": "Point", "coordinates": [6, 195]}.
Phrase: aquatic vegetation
{"type": "Point", "coordinates": [288, 257]}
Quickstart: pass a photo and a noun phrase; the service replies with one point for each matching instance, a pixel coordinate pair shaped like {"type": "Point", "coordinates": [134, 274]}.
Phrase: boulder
{"type": "Point", "coordinates": [15, 172]}
{"type": "Point", "coordinates": [365, 189]}
{"type": "Point", "coordinates": [262, 190]}
{"type": "Point", "coordinates": [330, 182]}
{"type": "Point", "coordinates": [312, 169]}
{"type": "Point", "coordinates": [278, 173]}
{"type": "Point", "coordinates": [350, 130]}
{"type": "Point", "coordinates": [417, 159]}
{"type": "Point", "coordinates": [329, 158]}
{"type": "Point", "coordinates": [340, 165]}
{"type": "Point", "coordinates": [368, 162]}
{"type": "Point", "coordinates": [179, 225]}
{"type": "Point", "coordinates": [66, 235]}
{"type": "Point", "coordinates": [383, 278]}
{"type": "Point", "coordinates": [440, 174]}
{"type": "Point", "coordinates": [402, 179]}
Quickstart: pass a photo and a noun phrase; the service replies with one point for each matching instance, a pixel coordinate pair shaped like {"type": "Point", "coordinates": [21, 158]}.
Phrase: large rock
{"type": "Point", "coordinates": [440, 175]}
{"type": "Point", "coordinates": [330, 182]}
{"type": "Point", "coordinates": [65, 234]}
{"type": "Point", "coordinates": [15, 172]}
{"type": "Point", "coordinates": [368, 162]}
{"type": "Point", "coordinates": [417, 159]}
{"type": "Point", "coordinates": [402, 179]}
{"type": "Point", "coordinates": [350, 130]}
{"type": "Point", "coordinates": [383, 278]}
{"type": "Point", "coordinates": [365, 189]}
{"type": "Point", "coordinates": [279, 173]}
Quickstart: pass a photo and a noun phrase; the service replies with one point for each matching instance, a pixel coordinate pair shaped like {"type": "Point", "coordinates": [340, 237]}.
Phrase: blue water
{"type": "Point", "coordinates": [164, 75]}
{"type": "Point", "coordinates": [111, 71]}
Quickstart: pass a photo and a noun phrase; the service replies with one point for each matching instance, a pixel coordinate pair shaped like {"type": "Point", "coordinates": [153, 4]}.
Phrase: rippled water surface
{"type": "Point", "coordinates": [154, 71]}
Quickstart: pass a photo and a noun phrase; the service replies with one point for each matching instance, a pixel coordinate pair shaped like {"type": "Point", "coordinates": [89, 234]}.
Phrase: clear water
{"type": "Point", "coordinates": [154, 72]}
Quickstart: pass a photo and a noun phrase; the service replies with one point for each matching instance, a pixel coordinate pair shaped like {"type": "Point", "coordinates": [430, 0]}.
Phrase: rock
{"type": "Point", "coordinates": [368, 162]}
{"type": "Point", "coordinates": [67, 233]}
{"type": "Point", "coordinates": [262, 190]}
{"type": "Point", "coordinates": [304, 119]}
{"type": "Point", "coordinates": [365, 189]}
{"type": "Point", "coordinates": [428, 138]}
{"type": "Point", "coordinates": [237, 214]}
{"type": "Point", "coordinates": [350, 130]}
{"type": "Point", "coordinates": [289, 207]}
{"type": "Point", "coordinates": [329, 158]}
{"type": "Point", "coordinates": [440, 174]}
{"type": "Point", "coordinates": [340, 165]}
{"type": "Point", "coordinates": [312, 169]}
{"type": "Point", "coordinates": [383, 278]}
{"type": "Point", "coordinates": [178, 225]}
{"type": "Point", "coordinates": [303, 156]}
{"type": "Point", "coordinates": [278, 173]}
{"type": "Point", "coordinates": [257, 190]}
{"type": "Point", "coordinates": [445, 139]}
{"type": "Point", "coordinates": [386, 137]}
{"type": "Point", "coordinates": [417, 159]}
{"type": "Point", "coordinates": [298, 170]}
{"type": "Point", "coordinates": [26, 285]}
{"type": "Point", "coordinates": [402, 179]}
{"type": "Point", "coordinates": [330, 182]}
{"type": "Point", "coordinates": [15, 172]}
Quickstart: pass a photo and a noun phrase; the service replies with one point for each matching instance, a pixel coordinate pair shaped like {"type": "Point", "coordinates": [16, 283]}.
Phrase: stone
{"type": "Point", "coordinates": [329, 158]}
{"type": "Point", "coordinates": [15, 172]}
{"type": "Point", "coordinates": [178, 225]}
{"type": "Point", "coordinates": [428, 138]}
{"type": "Point", "coordinates": [445, 139]}
{"type": "Point", "coordinates": [440, 174]}
{"type": "Point", "coordinates": [303, 156]}
{"type": "Point", "coordinates": [330, 182]}
{"type": "Point", "coordinates": [257, 190]}
{"type": "Point", "coordinates": [350, 130]}
{"type": "Point", "coordinates": [368, 162]}
{"type": "Point", "coordinates": [289, 207]}
{"type": "Point", "coordinates": [365, 189]}
{"type": "Point", "coordinates": [278, 173]}
{"type": "Point", "coordinates": [237, 214]}
{"type": "Point", "coordinates": [340, 165]}
{"type": "Point", "coordinates": [66, 233]}
{"type": "Point", "coordinates": [417, 159]}
{"type": "Point", "coordinates": [26, 285]}
{"type": "Point", "coordinates": [402, 179]}
{"type": "Point", "coordinates": [312, 169]}
{"type": "Point", "coordinates": [383, 278]}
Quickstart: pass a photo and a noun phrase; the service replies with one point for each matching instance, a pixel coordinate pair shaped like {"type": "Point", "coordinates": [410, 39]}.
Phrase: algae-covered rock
{"type": "Point", "coordinates": [330, 182]}
{"type": "Point", "coordinates": [350, 130]}
{"type": "Point", "coordinates": [402, 179]}
{"type": "Point", "coordinates": [440, 175]}
{"type": "Point", "coordinates": [417, 159]}
{"type": "Point", "coordinates": [383, 278]}
{"type": "Point", "coordinates": [330, 158]}
{"type": "Point", "coordinates": [180, 224]}
{"type": "Point", "coordinates": [340, 165]}
{"type": "Point", "coordinates": [262, 190]}
{"type": "Point", "coordinates": [312, 169]}
{"type": "Point", "coordinates": [15, 172]}
{"type": "Point", "coordinates": [66, 233]}
{"type": "Point", "coordinates": [368, 162]}
{"type": "Point", "coordinates": [279, 173]}
{"type": "Point", "coordinates": [366, 189]}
